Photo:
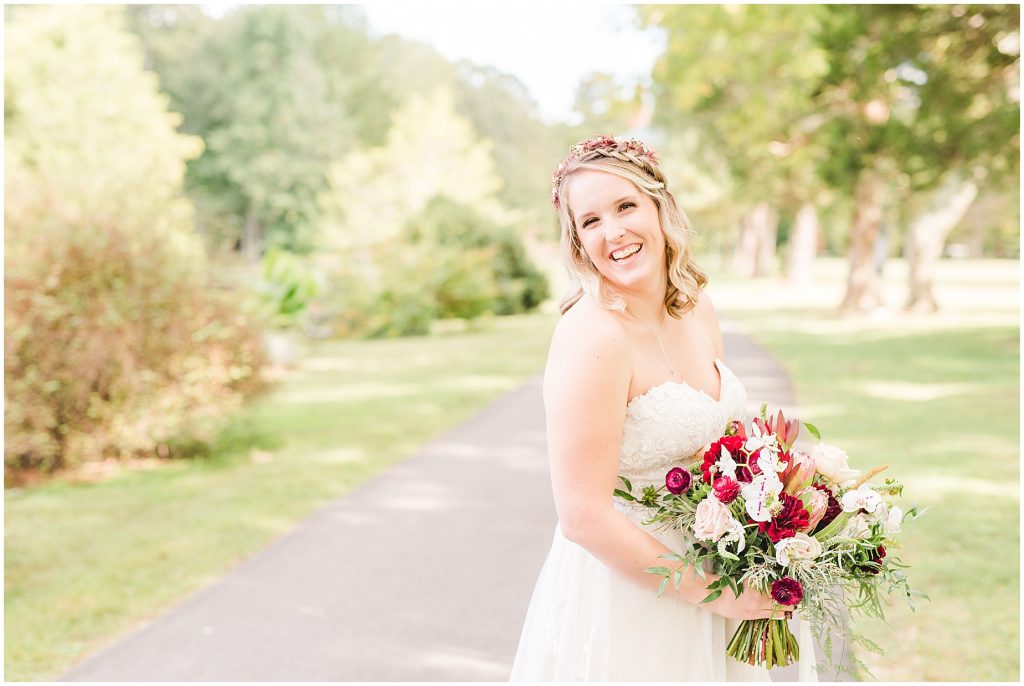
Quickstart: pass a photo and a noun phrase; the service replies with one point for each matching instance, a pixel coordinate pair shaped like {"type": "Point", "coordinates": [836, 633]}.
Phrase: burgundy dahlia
{"type": "Point", "coordinates": [678, 480]}
{"type": "Point", "coordinates": [834, 508]}
{"type": "Point", "coordinates": [787, 591]}
{"type": "Point", "coordinates": [726, 489]}
{"type": "Point", "coordinates": [785, 524]}
{"type": "Point", "coordinates": [731, 443]}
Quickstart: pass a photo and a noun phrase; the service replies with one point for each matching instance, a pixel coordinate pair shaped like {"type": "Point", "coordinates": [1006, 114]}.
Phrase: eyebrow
{"type": "Point", "coordinates": [587, 215]}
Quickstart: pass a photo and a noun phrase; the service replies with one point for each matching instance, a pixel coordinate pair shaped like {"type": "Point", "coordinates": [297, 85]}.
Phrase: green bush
{"type": "Point", "coordinates": [287, 287]}
{"type": "Point", "coordinates": [115, 341]}
{"type": "Point", "coordinates": [111, 348]}
{"type": "Point", "coordinates": [449, 262]}
{"type": "Point", "coordinates": [446, 227]}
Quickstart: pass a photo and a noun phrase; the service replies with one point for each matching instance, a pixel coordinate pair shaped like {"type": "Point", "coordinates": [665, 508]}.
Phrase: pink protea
{"type": "Point", "coordinates": [799, 473]}
{"type": "Point", "coordinates": [786, 431]}
{"type": "Point", "coordinates": [816, 509]}
{"type": "Point", "coordinates": [834, 508]}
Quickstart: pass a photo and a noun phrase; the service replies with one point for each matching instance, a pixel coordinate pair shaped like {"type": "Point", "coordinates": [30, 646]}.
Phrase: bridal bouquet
{"type": "Point", "coordinates": [803, 527]}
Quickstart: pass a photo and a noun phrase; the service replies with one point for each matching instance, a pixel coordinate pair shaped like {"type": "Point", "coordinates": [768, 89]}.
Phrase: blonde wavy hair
{"type": "Point", "coordinates": [685, 280]}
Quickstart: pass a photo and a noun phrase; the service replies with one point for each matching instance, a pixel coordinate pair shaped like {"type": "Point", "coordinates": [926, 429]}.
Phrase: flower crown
{"type": "Point", "coordinates": [606, 145]}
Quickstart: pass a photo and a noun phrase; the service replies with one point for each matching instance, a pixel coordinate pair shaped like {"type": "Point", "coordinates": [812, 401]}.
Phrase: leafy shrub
{"type": "Point", "coordinates": [287, 287]}
{"type": "Point", "coordinates": [111, 348]}
{"type": "Point", "coordinates": [449, 262]}
{"type": "Point", "coordinates": [115, 342]}
{"type": "Point", "coordinates": [446, 226]}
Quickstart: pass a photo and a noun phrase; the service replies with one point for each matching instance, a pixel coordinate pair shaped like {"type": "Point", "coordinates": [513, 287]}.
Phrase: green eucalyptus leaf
{"type": "Point", "coordinates": [813, 429]}
{"type": "Point", "coordinates": [711, 596]}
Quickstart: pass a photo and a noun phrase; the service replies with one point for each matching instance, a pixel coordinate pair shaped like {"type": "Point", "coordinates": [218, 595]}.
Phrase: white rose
{"type": "Point", "coordinates": [833, 463]}
{"type": "Point", "coordinates": [857, 527]}
{"type": "Point", "coordinates": [712, 520]}
{"type": "Point", "coordinates": [798, 547]}
{"type": "Point", "coordinates": [760, 494]}
{"type": "Point", "coordinates": [863, 498]}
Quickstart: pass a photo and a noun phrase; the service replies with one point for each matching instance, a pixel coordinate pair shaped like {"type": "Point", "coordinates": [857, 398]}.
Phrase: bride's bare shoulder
{"type": "Point", "coordinates": [590, 353]}
{"type": "Point", "coordinates": [587, 325]}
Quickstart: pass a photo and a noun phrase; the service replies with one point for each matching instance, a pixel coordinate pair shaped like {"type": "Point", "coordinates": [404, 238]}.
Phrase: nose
{"type": "Point", "coordinates": [613, 231]}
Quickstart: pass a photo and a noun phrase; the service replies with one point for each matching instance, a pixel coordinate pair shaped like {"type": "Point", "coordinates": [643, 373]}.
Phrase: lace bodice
{"type": "Point", "coordinates": [671, 422]}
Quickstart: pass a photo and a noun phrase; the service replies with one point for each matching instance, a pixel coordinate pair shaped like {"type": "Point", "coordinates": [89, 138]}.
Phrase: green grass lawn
{"type": "Point", "coordinates": [85, 563]}
{"type": "Point", "coordinates": [942, 407]}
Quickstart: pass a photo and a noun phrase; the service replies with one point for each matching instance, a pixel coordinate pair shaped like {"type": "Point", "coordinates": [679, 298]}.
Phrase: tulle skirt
{"type": "Point", "coordinates": [587, 622]}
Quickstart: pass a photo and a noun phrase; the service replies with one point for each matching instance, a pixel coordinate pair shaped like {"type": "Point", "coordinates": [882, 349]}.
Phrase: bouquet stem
{"type": "Point", "coordinates": [765, 643]}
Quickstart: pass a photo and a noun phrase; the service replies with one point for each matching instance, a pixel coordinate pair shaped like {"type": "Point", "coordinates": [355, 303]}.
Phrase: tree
{"type": "Point", "coordinates": [741, 77]}
{"type": "Point", "coordinates": [114, 341]}
{"type": "Point", "coordinates": [430, 150]}
{"type": "Point", "coordinates": [253, 85]}
{"type": "Point", "coordinates": [525, 150]}
{"type": "Point", "coordinates": [913, 95]}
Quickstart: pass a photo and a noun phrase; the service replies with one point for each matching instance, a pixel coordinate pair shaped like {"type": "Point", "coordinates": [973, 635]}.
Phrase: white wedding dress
{"type": "Point", "coordinates": [586, 622]}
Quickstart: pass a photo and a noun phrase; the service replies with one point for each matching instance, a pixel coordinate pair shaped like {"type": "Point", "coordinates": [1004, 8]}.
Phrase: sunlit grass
{"type": "Point", "coordinates": [86, 562]}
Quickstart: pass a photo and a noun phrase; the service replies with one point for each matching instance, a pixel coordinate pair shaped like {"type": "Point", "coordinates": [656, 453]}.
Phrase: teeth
{"type": "Point", "coordinates": [623, 253]}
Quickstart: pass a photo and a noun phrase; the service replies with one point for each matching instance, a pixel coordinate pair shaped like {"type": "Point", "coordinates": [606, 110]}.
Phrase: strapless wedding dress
{"type": "Point", "coordinates": [586, 622]}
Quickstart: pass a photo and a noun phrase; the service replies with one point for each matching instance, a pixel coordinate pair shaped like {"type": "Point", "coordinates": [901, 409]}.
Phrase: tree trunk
{"type": "Point", "coordinates": [803, 246]}
{"type": "Point", "coordinates": [755, 251]}
{"type": "Point", "coordinates": [927, 236]}
{"type": "Point", "coordinates": [251, 237]}
{"type": "Point", "coordinates": [863, 288]}
{"type": "Point", "coordinates": [746, 249]}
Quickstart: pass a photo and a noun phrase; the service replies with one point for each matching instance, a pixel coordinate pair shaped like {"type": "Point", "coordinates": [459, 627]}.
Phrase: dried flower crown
{"type": "Point", "coordinates": [604, 145]}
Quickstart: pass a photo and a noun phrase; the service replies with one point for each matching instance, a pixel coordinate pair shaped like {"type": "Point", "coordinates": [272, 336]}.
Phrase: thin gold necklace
{"type": "Point", "coordinates": [668, 363]}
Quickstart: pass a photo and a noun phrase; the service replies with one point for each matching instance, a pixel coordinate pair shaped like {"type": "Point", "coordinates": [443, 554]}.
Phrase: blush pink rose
{"type": "Point", "coordinates": [712, 520]}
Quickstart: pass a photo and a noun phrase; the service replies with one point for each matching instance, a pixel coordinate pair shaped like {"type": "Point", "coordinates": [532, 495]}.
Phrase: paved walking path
{"type": "Point", "coordinates": [422, 574]}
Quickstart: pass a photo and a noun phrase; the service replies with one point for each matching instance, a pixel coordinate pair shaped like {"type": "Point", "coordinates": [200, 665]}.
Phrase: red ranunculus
{"type": "Point", "coordinates": [731, 443]}
{"type": "Point", "coordinates": [678, 480]}
{"type": "Point", "coordinates": [787, 591]}
{"type": "Point", "coordinates": [784, 525]}
{"type": "Point", "coordinates": [726, 489]}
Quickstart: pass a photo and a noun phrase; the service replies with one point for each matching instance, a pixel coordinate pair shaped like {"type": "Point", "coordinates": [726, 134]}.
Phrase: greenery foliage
{"type": "Point", "coordinates": [114, 343]}
{"type": "Point", "coordinates": [447, 262]}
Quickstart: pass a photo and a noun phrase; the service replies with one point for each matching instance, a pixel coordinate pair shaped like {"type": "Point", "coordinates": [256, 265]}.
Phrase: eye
{"type": "Point", "coordinates": [628, 203]}
{"type": "Point", "coordinates": [589, 221]}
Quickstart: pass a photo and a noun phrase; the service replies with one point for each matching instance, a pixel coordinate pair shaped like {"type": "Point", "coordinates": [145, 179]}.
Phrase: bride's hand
{"type": "Point", "coordinates": [751, 604]}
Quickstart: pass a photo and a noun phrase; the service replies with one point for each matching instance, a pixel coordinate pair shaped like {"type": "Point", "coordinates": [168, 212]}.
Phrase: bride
{"type": "Point", "coordinates": [634, 384]}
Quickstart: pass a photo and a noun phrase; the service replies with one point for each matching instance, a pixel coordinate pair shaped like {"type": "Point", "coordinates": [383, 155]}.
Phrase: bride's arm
{"type": "Point", "coordinates": [586, 384]}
